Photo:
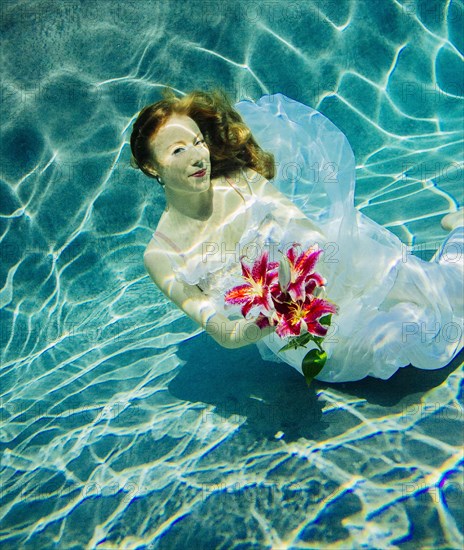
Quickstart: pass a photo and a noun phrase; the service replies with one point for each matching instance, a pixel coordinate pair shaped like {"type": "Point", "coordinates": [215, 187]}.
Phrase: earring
{"type": "Point", "coordinates": [159, 180]}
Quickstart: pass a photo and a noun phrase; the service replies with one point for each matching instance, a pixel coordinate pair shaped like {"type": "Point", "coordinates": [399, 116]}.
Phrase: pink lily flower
{"type": "Point", "coordinates": [303, 279]}
{"type": "Point", "coordinates": [302, 315]}
{"type": "Point", "coordinates": [256, 291]}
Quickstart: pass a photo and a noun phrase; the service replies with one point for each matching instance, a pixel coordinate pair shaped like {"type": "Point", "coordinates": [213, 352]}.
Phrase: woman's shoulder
{"type": "Point", "coordinates": [260, 186]}
{"type": "Point", "coordinates": [253, 177]}
{"type": "Point", "coordinates": [266, 191]}
{"type": "Point", "coordinates": [246, 177]}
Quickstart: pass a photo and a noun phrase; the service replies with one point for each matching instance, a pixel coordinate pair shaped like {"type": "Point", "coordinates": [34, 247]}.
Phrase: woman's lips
{"type": "Point", "coordinates": [199, 174]}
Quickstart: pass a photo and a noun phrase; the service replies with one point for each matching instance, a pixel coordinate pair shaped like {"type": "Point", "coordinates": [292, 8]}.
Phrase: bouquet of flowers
{"type": "Point", "coordinates": [287, 295]}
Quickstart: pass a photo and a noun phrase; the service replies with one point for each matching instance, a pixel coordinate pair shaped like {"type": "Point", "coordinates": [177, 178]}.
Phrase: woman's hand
{"type": "Point", "coordinates": [247, 332]}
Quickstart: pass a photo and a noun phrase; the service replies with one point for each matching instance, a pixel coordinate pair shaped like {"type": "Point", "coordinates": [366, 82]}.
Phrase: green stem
{"type": "Point", "coordinates": [318, 345]}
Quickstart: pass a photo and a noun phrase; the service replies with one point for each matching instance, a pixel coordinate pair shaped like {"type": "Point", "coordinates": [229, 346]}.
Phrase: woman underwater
{"type": "Point", "coordinates": [394, 309]}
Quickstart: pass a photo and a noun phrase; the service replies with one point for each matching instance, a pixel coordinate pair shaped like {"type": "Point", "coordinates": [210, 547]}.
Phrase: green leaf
{"type": "Point", "coordinates": [291, 345]}
{"type": "Point", "coordinates": [303, 339]}
{"type": "Point", "coordinates": [326, 320]}
{"type": "Point", "coordinates": [298, 341]}
{"type": "Point", "coordinates": [313, 363]}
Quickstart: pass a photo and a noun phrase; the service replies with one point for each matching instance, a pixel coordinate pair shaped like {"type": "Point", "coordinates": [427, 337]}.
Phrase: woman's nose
{"type": "Point", "coordinates": [197, 157]}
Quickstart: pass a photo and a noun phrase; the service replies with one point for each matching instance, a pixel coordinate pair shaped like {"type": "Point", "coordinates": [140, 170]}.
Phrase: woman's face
{"type": "Point", "coordinates": [181, 152]}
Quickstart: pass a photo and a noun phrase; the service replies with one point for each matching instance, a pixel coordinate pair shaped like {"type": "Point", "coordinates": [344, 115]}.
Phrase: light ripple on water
{"type": "Point", "coordinates": [146, 436]}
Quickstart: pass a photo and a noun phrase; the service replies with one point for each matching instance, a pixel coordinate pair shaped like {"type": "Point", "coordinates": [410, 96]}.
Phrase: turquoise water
{"type": "Point", "coordinates": [124, 426]}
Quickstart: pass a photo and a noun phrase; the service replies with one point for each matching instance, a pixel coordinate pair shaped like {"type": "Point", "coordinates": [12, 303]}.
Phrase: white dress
{"type": "Point", "coordinates": [394, 308]}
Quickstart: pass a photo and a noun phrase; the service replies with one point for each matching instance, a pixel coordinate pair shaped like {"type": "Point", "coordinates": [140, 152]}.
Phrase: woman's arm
{"type": "Point", "coordinates": [197, 305]}
{"type": "Point", "coordinates": [246, 332]}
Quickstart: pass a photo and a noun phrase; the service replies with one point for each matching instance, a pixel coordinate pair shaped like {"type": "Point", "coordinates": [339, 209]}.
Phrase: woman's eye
{"type": "Point", "coordinates": [180, 149]}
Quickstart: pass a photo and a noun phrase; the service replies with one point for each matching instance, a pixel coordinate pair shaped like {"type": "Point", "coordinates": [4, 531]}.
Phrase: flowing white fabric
{"type": "Point", "coordinates": [394, 308]}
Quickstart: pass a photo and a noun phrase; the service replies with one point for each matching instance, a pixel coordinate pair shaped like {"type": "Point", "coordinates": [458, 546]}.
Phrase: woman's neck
{"type": "Point", "coordinates": [195, 206]}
